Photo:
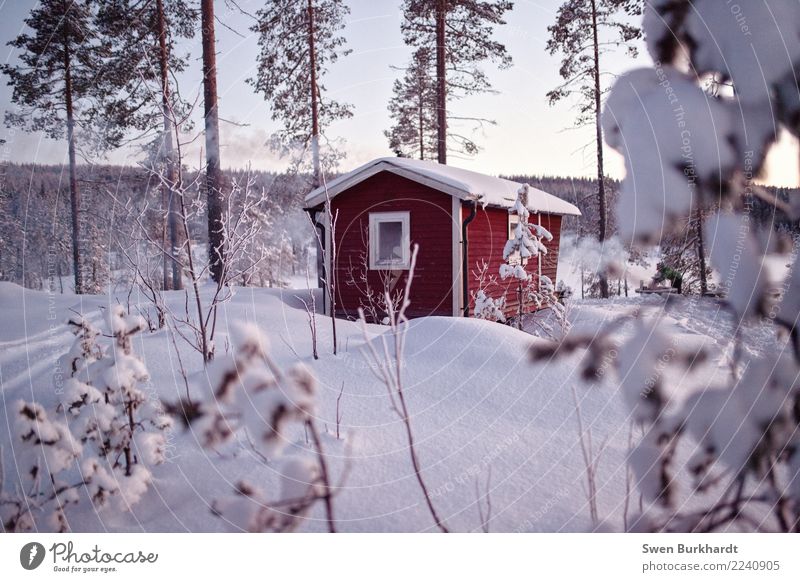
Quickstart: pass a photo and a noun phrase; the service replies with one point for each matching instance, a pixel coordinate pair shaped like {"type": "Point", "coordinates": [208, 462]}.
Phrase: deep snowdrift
{"type": "Point", "coordinates": [486, 419]}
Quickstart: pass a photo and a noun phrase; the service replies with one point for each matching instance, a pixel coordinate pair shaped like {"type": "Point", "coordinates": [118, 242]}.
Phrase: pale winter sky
{"type": "Point", "coordinates": [530, 136]}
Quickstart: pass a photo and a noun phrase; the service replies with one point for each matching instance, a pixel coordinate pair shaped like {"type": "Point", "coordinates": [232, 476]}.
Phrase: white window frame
{"type": "Point", "coordinates": [375, 218]}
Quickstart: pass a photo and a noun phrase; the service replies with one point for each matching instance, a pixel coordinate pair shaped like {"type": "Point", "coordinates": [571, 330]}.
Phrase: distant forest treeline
{"type": "Point", "coordinates": [35, 216]}
{"type": "Point", "coordinates": [35, 219]}
{"type": "Point", "coordinates": [582, 192]}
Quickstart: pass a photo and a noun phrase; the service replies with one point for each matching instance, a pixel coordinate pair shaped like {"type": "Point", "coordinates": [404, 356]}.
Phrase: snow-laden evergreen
{"type": "Point", "coordinates": [525, 243]}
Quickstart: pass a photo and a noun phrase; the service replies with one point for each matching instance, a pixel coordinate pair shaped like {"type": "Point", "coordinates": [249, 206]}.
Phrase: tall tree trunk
{"type": "Point", "coordinates": [441, 82]}
{"type": "Point", "coordinates": [166, 279]}
{"type": "Point", "coordinates": [74, 193]}
{"type": "Point", "coordinates": [601, 187]}
{"type": "Point", "coordinates": [317, 177]}
{"type": "Point", "coordinates": [168, 192]}
{"type": "Point", "coordinates": [701, 254]}
{"type": "Point", "coordinates": [312, 56]}
{"type": "Point", "coordinates": [216, 236]}
{"type": "Point", "coordinates": [421, 125]}
{"type": "Point", "coordinates": [166, 284]}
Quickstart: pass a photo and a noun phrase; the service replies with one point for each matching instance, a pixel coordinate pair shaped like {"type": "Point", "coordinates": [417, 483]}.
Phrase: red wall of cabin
{"type": "Point", "coordinates": [487, 235]}
{"type": "Point", "coordinates": [431, 228]}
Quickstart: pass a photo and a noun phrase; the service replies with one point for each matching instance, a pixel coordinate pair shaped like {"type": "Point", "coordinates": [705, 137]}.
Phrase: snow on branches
{"type": "Point", "coordinates": [252, 398]}
{"type": "Point", "coordinates": [681, 146]}
{"type": "Point", "coordinates": [45, 452]}
{"type": "Point", "coordinates": [488, 308]}
{"type": "Point", "coordinates": [740, 432]}
{"type": "Point", "coordinates": [113, 413]}
{"type": "Point", "coordinates": [84, 349]}
{"type": "Point", "coordinates": [250, 393]}
{"type": "Point", "coordinates": [736, 42]}
{"type": "Point", "coordinates": [708, 456]}
{"type": "Point", "coordinates": [691, 152]}
{"type": "Point", "coordinates": [526, 242]}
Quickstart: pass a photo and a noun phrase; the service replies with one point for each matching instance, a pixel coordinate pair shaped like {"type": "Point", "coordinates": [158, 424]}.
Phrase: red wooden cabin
{"type": "Point", "coordinates": [458, 218]}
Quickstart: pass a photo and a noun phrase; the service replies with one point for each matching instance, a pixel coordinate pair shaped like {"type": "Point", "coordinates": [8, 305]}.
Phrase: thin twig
{"type": "Point", "coordinates": [324, 475]}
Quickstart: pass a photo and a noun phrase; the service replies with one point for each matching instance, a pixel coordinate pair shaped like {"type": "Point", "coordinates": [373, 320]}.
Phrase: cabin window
{"type": "Point", "coordinates": [389, 240]}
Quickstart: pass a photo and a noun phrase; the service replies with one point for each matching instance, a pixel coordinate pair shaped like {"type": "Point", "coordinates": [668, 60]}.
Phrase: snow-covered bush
{"type": "Point", "coordinates": [686, 153]}
{"type": "Point", "coordinates": [250, 397]}
{"type": "Point", "coordinates": [45, 452]}
{"type": "Point", "coordinates": [489, 308]}
{"type": "Point", "coordinates": [486, 306]}
{"type": "Point", "coordinates": [544, 293]}
{"type": "Point", "coordinates": [741, 460]}
{"type": "Point", "coordinates": [112, 436]}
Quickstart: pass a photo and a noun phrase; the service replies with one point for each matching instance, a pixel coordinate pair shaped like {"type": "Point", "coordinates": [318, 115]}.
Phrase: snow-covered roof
{"type": "Point", "coordinates": [464, 184]}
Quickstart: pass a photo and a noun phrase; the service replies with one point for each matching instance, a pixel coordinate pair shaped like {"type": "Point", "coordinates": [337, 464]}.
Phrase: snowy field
{"type": "Point", "coordinates": [496, 433]}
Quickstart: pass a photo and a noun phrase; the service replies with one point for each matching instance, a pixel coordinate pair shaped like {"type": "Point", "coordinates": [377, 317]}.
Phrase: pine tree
{"type": "Point", "coordinates": [144, 62]}
{"type": "Point", "coordinates": [459, 33]}
{"type": "Point", "coordinates": [298, 39]}
{"type": "Point", "coordinates": [214, 177]}
{"type": "Point", "coordinates": [413, 109]}
{"type": "Point", "coordinates": [576, 35]}
{"type": "Point", "coordinates": [59, 89]}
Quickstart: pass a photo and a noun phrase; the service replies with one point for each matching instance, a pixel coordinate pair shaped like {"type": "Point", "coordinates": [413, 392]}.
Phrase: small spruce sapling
{"type": "Point", "coordinates": [486, 306]}
{"type": "Point", "coordinates": [525, 243]}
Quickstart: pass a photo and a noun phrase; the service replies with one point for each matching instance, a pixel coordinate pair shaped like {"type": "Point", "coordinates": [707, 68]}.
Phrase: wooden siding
{"type": "Point", "coordinates": [431, 228]}
{"type": "Point", "coordinates": [487, 235]}
{"type": "Point", "coordinates": [550, 260]}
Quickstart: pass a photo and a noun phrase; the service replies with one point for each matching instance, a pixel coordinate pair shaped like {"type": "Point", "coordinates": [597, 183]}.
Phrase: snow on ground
{"type": "Point", "coordinates": [485, 417]}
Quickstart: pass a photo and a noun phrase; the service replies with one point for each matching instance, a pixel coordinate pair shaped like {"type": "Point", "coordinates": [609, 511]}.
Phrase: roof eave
{"type": "Point", "coordinates": [318, 196]}
{"type": "Point", "coordinates": [576, 212]}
